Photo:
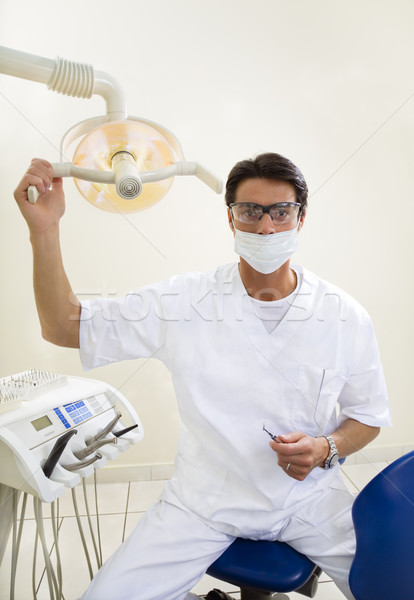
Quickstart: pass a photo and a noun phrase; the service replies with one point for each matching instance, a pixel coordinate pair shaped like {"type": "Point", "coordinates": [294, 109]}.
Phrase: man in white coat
{"type": "Point", "coordinates": [254, 342]}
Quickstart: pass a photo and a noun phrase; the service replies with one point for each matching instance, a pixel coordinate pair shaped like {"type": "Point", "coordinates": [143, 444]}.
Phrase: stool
{"type": "Point", "coordinates": [264, 570]}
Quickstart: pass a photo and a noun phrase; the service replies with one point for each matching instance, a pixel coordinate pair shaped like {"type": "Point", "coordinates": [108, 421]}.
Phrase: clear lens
{"type": "Point", "coordinates": [250, 213]}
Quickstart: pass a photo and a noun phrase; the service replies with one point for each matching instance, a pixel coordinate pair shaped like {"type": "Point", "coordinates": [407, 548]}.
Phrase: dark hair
{"type": "Point", "coordinates": [267, 166]}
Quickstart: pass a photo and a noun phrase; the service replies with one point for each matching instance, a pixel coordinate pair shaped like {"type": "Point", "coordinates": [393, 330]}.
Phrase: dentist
{"type": "Point", "coordinates": [251, 342]}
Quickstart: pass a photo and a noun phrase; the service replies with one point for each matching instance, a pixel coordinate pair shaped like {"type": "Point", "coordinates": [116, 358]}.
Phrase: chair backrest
{"type": "Point", "coordinates": [383, 515]}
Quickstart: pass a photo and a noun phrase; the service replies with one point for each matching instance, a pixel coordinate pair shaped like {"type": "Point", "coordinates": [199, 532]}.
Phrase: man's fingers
{"type": "Point", "coordinates": [39, 175]}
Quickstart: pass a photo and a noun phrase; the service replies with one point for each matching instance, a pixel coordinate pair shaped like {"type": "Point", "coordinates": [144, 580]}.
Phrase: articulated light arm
{"type": "Point", "coordinates": [79, 80]}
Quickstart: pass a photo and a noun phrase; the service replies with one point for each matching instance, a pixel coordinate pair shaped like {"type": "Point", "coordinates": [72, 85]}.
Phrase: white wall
{"type": "Point", "coordinates": [327, 83]}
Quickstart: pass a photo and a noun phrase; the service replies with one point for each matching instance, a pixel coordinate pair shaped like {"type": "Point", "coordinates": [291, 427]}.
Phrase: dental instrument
{"type": "Point", "coordinates": [274, 437]}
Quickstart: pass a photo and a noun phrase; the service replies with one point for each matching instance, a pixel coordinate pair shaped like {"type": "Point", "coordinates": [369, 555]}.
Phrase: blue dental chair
{"type": "Point", "coordinates": [383, 515]}
{"type": "Point", "coordinates": [383, 567]}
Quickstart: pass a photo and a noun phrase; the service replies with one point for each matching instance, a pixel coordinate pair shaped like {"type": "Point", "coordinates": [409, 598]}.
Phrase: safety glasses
{"type": "Point", "coordinates": [250, 213]}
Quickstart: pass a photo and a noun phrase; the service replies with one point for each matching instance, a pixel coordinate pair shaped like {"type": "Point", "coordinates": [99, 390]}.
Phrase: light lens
{"type": "Point", "coordinates": [149, 148]}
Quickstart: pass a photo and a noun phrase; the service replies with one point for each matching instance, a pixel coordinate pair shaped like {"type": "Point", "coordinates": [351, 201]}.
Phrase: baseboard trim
{"type": "Point", "coordinates": [372, 454]}
{"type": "Point", "coordinates": [124, 473]}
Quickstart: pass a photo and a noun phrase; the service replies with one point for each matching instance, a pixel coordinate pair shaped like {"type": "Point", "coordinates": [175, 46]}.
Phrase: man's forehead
{"type": "Point", "coordinates": [265, 191]}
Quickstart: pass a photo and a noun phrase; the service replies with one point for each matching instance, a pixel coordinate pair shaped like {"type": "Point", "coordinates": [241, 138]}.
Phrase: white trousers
{"type": "Point", "coordinates": [171, 549]}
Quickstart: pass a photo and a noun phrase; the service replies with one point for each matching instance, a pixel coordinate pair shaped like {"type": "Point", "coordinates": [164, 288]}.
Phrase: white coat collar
{"type": "Point", "coordinates": [269, 346]}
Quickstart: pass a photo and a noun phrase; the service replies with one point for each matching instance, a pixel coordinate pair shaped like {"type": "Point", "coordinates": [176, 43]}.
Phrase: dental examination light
{"type": "Point", "coordinates": [121, 163]}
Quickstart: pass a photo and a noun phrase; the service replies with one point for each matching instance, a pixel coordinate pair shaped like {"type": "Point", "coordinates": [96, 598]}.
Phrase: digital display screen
{"type": "Point", "coordinates": [41, 423]}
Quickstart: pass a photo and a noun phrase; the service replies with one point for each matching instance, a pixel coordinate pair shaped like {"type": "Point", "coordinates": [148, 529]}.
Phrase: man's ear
{"type": "Point", "coordinates": [301, 220]}
{"type": "Point", "coordinates": [230, 219]}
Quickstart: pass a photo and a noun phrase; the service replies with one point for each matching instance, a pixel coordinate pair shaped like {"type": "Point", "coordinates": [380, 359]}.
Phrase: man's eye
{"type": "Point", "coordinates": [250, 211]}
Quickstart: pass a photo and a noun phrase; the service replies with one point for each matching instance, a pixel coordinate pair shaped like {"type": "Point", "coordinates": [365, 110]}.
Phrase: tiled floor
{"type": "Point", "coordinates": [120, 506]}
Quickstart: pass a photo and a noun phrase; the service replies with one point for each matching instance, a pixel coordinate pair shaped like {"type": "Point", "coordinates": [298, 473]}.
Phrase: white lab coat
{"type": "Point", "coordinates": [318, 367]}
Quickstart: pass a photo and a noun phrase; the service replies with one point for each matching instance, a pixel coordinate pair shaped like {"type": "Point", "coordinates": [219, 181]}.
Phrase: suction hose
{"type": "Point", "coordinates": [57, 452]}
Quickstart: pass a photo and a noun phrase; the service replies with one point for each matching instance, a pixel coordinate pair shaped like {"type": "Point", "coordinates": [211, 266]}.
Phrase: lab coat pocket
{"type": "Point", "coordinates": [315, 403]}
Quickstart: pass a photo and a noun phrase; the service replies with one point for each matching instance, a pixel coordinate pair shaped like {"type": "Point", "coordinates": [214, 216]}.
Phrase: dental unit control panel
{"type": "Point", "coordinates": [55, 432]}
{"type": "Point", "coordinates": [50, 406]}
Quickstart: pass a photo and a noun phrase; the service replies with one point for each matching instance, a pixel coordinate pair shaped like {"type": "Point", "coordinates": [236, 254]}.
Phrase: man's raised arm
{"type": "Point", "coordinates": [57, 306]}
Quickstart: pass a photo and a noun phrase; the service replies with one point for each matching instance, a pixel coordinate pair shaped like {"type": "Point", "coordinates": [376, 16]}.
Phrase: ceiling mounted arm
{"type": "Point", "coordinates": [78, 80]}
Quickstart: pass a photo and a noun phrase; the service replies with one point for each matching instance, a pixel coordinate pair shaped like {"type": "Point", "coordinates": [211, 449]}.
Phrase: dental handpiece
{"type": "Point", "coordinates": [84, 463]}
{"type": "Point", "coordinates": [92, 447]}
{"type": "Point", "coordinates": [106, 430]}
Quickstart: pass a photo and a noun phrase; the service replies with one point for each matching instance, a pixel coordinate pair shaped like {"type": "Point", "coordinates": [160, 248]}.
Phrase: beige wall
{"type": "Point", "coordinates": [327, 83]}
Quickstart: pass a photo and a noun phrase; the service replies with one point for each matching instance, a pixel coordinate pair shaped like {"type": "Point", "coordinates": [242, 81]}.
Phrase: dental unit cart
{"type": "Point", "coordinates": [55, 431]}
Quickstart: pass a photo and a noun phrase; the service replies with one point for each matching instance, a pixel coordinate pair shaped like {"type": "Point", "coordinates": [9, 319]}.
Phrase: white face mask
{"type": "Point", "coordinates": [266, 253]}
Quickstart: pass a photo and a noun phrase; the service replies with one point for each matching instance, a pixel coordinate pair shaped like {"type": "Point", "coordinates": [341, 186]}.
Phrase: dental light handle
{"type": "Point", "coordinates": [57, 452]}
{"type": "Point", "coordinates": [105, 431]}
{"type": "Point", "coordinates": [80, 454]}
{"type": "Point", "coordinates": [202, 173]}
{"type": "Point", "coordinates": [128, 180]}
{"type": "Point", "coordinates": [124, 175]}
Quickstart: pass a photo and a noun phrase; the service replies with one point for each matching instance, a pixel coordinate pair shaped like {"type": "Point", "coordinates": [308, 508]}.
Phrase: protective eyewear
{"type": "Point", "coordinates": [250, 213]}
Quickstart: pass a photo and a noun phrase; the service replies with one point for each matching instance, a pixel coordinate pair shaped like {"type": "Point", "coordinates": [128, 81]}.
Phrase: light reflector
{"type": "Point", "coordinates": [150, 150]}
